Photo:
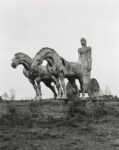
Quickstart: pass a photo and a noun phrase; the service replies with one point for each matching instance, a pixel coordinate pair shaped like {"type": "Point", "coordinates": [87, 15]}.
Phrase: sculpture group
{"type": "Point", "coordinates": [56, 70]}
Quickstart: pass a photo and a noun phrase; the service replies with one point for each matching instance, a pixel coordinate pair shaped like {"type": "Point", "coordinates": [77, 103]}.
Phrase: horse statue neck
{"type": "Point", "coordinates": [47, 54]}
{"type": "Point", "coordinates": [25, 60]}
{"type": "Point", "coordinates": [50, 60]}
{"type": "Point", "coordinates": [44, 52]}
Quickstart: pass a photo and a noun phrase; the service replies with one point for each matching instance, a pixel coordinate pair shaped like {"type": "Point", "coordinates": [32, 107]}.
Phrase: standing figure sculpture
{"type": "Point", "coordinates": [85, 60]}
{"type": "Point", "coordinates": [41, 75]}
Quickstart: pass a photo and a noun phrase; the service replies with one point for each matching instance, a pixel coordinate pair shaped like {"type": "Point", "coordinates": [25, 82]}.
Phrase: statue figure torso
{"type": "Point", "coordinates": [85, 59]}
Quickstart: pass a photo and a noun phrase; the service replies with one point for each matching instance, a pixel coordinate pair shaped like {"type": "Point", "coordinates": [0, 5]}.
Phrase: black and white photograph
{"type": "Point", "coordinates": [59, 75]}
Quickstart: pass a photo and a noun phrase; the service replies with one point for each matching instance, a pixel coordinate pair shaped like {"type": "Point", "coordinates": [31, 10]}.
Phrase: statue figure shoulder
{"type": "Point", "coordinates": [86, 49]}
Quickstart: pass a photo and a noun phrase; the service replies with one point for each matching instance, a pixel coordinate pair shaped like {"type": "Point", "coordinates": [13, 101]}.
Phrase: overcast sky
{"type": "Point", "coordinates": [29, 25]}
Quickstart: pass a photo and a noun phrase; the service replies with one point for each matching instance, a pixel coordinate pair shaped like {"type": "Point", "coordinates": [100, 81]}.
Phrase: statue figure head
{"type": "Point", "coordinates": [83, 41]}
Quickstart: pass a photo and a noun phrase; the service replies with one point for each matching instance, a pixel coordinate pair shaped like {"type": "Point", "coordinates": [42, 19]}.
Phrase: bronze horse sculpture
{"type": "Point", "coordinates": [41, 75]}
{"type": "Point", "coordinates": [60, 68]}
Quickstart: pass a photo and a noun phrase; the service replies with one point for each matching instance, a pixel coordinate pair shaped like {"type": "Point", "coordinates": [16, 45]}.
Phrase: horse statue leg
{"type": "Point", "coordinates": [58, 86]}
{"type": "Point", "coordinates": [82, 86]}
{"type": "Point", "coordinates": [61, 77]}
{"type": "Point", "coordinates": [48, 84]}
{"type": "Point", "coordinates": [39, 91]}
{"type": "Point", "coordinates": [35, 87]}
{"type": "Point", "coordinates": [83, 90]}
{"type": "Point", "coordinates": [73, 83]}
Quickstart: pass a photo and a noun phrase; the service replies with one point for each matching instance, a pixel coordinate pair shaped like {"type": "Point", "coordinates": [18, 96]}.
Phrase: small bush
{"type": "Point", "coordinates": [12, 109]}
{"type": "Point", "coordinates": [99, 109]}
{"type": "Point", "coordinates": [80, 109]}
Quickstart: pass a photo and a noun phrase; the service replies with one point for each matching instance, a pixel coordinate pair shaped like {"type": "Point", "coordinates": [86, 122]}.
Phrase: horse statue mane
{"type": "Point", "coordinates": [46, 49]}
{"type": "Point", "coordinates": [23, 57]}
{"type": "Point", "coordinates": [55, 62]}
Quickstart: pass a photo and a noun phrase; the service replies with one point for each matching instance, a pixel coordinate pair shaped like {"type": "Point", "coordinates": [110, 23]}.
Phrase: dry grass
{"type": "Point", "coordinates": [22, 129]}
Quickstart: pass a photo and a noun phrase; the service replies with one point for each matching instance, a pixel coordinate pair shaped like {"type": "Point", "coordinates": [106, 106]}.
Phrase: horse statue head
{"type": "Point", "coordinates": [21, 58]}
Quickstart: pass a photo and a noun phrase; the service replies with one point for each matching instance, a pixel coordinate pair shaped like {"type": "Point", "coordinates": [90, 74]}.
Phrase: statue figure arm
{"type": "Point", "coordinates": [79, 56]}
{"type": "Point", "coordinates": [89, 58]}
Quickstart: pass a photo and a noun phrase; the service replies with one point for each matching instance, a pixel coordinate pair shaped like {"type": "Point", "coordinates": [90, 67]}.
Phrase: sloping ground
{"type": "Point", "coordinates": [41, 126]}
{"type": "Point", "coordinates": [72, 136]}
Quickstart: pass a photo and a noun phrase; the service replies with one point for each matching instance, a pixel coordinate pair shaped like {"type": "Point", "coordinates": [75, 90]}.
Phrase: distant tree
{"type": "Point", "coordinates": [5, 96]}
{"type": "Point", "coordinates": [101, 93]}
{"type": "Point", "coordinates": [12, 94]}
{"type": "Point", "coordinates": [107, 91]}
{"type": "Point", "coordinates": [1, 99]}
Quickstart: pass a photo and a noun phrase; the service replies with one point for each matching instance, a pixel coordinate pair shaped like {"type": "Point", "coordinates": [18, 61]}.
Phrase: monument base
{"type": "Point", "coordinates": [54, 109]}
{"type": "Point", "coordinates": [50, 108]}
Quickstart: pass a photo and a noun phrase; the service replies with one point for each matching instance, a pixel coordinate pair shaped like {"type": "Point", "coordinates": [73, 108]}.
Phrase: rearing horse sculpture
{"type": "Point", "coordinates": [58, 66]}
{"type": "Point", "coordinates": [41, 75]}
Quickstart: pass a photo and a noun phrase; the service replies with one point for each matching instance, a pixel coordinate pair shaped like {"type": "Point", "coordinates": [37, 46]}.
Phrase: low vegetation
{"type": "Point", "coordinates": [87, 125]}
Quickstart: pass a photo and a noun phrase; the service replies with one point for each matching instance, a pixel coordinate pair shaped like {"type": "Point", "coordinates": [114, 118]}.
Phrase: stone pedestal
{"type": "Point", "coordinates": [50, 108]}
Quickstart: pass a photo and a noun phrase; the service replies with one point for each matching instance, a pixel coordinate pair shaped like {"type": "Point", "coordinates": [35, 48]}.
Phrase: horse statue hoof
{"type": "Point", "coordinates": [64, 96]}
{"type": "Point", "coordinates": [59, 97]}
{"type": "Point", "coordinates": [37, 98]}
